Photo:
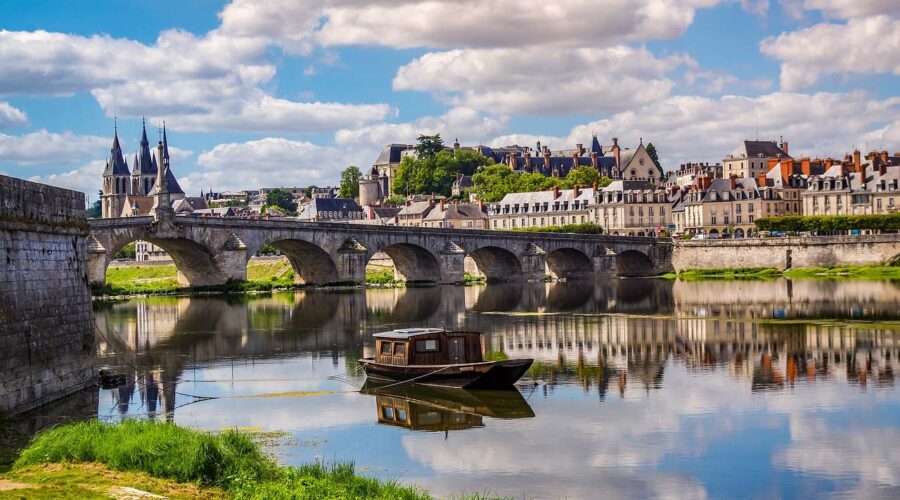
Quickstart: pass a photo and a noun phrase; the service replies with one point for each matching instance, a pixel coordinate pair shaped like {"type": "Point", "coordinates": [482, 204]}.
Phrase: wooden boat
{"type": "Point", "coordinates": [439, 357]}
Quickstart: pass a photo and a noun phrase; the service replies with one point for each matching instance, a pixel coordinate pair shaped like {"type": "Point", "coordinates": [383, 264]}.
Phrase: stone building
{"type": "Point", "coordinates": [855, 186]}
{"type": "Point", "coordinates": [456, 216]}
{"type": "Point", "coordinates": [556, 207]}
{"type": "Point", "coordinates": [782, 186]}
{"type": "Point", "coordinates": [633, 208]}
{"type": "Point", "coordinates": [123, 188]}
{"type": "Point", "coordinates": [752, 158]}
{"type": "Point", "coordinates": [722, 207]}
{"type": "Point", "coordinates": [685, 174]}
{"type": "Point", "coordinates": [332, 210]}
{"type": "Point", "coordinates": [414, 213]}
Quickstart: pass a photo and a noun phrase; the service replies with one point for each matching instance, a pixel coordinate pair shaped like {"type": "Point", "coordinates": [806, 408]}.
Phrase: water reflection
{"type": "Point", "coordinates": [439, 409]}
{"type": "Point", "coordinates": [639, 387]}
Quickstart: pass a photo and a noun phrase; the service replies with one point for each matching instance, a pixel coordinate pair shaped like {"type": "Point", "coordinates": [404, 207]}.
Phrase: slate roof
{"type": "Point", "coordinates": [457, 211]}
{"type": "Point", "coordinates": [720, 189]}
{"type": "Point", "coordinates": [757, 149]}
{"type": "Point", "coordinates": [392, 153]}
{"type": "Point", "coordinates": [416, 208]}
{"type": "Point", "coordinates": [143, 160]}
{"type": "Point", "coordinates": [406, 333]}
{"type": "Point", "coordinates": [345, 206]}
{"type": "Point", "coordinates": [171, 184]}
{"type": "Point", "coordinates": [115, 164]}
{"type": "Point", "coordinates": [532, 197]}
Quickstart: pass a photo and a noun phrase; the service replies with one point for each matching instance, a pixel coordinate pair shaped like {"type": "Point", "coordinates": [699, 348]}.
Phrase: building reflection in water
{"type": "Point", "coordinates": [617, 336]}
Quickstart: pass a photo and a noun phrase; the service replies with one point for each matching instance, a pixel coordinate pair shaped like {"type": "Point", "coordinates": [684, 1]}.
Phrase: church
{"type": "Point", "coordinates": [129, 192]}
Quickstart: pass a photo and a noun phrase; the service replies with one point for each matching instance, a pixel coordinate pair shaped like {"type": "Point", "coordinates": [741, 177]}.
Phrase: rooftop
{"type": "Point", "coordinates": [407, 333]}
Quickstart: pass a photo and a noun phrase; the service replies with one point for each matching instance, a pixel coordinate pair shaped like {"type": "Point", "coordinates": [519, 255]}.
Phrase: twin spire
{"type": "Point", "coordinates": [145, 162]}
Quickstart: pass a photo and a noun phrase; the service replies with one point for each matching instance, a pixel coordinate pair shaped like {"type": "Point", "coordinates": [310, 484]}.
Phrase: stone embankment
{"type": "Point", "coordinates": [46, 323]}
{"type": "Point", "coordinates": [786, 253]}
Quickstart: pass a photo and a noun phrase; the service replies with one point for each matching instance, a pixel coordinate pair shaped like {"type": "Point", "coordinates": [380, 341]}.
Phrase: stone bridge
{"type": "Point", "coordinates": [212, 251]}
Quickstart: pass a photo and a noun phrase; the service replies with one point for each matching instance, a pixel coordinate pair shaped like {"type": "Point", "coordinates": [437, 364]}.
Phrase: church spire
{"type": "Point", "coordinates": [115, 164]}
{"type": "Point", "coordinates": [143, 164]}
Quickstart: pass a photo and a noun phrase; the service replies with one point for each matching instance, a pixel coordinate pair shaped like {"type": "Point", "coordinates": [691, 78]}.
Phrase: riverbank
{"type": "Point", "coordinates": [891, 272]}
{"type": "Point", "coordinates": [96, 460]}
{"type": "Point", "coordinates": [125, 279]}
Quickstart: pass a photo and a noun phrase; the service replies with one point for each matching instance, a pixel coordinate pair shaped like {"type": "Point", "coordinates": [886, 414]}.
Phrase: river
{"type": "Point", "coordinates": [641, 388]}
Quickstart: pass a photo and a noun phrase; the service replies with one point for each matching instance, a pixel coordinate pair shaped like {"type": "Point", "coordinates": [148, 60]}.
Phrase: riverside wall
{"type": "Point", "coordinates": [47, 347]}
{"type": "Point", "coordinates": [786, 253]}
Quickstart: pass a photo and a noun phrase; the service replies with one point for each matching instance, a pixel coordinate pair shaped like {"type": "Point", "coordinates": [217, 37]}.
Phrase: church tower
{"type": "Point", "coordinates": [116, 182]}
{"type": "Point", "coordinates": [144, 174]}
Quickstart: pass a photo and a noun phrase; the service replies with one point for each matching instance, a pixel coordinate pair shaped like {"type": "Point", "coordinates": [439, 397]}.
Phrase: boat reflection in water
{"type": "Point", "coordinates": [441, 409]}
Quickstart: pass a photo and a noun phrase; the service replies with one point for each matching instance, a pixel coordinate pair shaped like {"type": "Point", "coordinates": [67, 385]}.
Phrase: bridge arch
{"type": "Point", "coordinates": [195, 263]}
{"type": "Point", "coordinates": [413, 262]}
{"type": "Point", "coordinates": [497, 264]}
{"type": "Point", "coordinates": [311, 263]}
{"type": "Point", "coordinates": [633, 263]}
{"type": "Point", "coordinates": [569, 263]}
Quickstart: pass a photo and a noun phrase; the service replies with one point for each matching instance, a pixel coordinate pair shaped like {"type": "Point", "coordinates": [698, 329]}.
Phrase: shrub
{"type": "Point", "coordinates": [583, 228]}
{"type": "Point", "coordinates": [827, 223]}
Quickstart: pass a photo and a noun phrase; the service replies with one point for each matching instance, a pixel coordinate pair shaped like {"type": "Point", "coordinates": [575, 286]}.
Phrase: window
{"type": "Point", "coordinates": [426, 345]}
{"type": "Point", "coordinates": [386, 348]}
{"type": "Point", "coordinates": [399, 349]}
{"type": "Point", "coordinates": [401, 415]}
{"type": "Point", "coordinates": [387, 412]}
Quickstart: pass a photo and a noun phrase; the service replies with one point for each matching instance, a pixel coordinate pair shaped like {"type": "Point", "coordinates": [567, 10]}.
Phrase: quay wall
{"type": "Point", "coordinates": [47, 347]}
{"type": "Point", "coordinates": [786, 253]}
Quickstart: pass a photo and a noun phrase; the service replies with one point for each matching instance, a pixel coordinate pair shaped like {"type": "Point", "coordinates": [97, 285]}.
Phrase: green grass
{"type": "Point", "coordinates": [746, 273]}
{"type": "Point", "coordinates": [231, 461]}
{"type": "Point", "coordinates": [891, 272]}
{"type": "Point", "coordinates": [380, 276]}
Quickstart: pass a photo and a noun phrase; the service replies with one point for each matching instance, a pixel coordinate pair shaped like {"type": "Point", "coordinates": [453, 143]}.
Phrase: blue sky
{"type": "Point", "coordinates": [289, 92]}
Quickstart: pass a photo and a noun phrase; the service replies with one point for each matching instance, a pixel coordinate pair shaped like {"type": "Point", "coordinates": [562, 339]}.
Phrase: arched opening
{"type": "Point", "coordinates": [194, 265]}
{"type": "Point", "coordinates": [640, 233]}
{"type": "Point", "coordinates": [497, 264]}
{"type": "Point", "coordinates": [569, 263]}
{"type": "Point", "coordinates": [632, 263]}
{"type": "Point", "coordinates": [749, 233]}
{"type": "Point", "coordinates": [413, 263]}
{"type": "Point", "coordinates": [738, 233]}
{"type": "Point", "coordinates": [311, 264]}
{"type": "Point", "coordinates": [713, 233]}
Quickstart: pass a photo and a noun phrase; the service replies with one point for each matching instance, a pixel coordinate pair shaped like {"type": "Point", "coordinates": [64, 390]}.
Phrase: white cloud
{"type": "Point", "coordinates": [759, 8]}
{"type": "Point", "coordinates": [49, 148]}
{"type": "Point", "coordinates": [705, 129]}
{"type": "Point", "coordinates": [500, 23]}
{"type": "Point", "coordinates": [853, 8]}
{"type": "Point", "coordinates": [203, 82]}
{"type": "Point", "coordinates": [269, 162]}
{"type": "Point", "coordinates": [542, 80]}
{"type": "Point", "coordinates": [11, 117]}
{"type": "Point", "coordinates": [468, 125]}
{"type": "Point", "coordinates": [864, 46]}
{"type": "Point", "coordinates": [86, 178]}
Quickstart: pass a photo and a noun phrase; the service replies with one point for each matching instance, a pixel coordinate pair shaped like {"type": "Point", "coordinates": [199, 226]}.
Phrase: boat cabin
{"type": "Point", "coordinates": [428, 346]}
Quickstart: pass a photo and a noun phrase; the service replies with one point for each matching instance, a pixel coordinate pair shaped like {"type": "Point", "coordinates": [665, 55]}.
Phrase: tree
{"type": "Point", "coordinates": [585, 176]}
{"type": "Point", "coordinates": [94, 211]}
{"type": "Point", "coordinates": [429, 145]}
{"type": "Point", "coordinates": [396, 199]}
{"type": "Point", "coordinates": [651, 152]}
{"type": "Point", "coordinates": [237, 203]}
{"type": "Point", "coordinates": [437, 173]}
{"type": "Point", "coordinates": [350, 182]}
{"type": "Point", "coordinates": [127, 252]}
{"type": "Point", "coordinates": [283, 200]}
{"type": "Point", "coordinates": [309, 190]}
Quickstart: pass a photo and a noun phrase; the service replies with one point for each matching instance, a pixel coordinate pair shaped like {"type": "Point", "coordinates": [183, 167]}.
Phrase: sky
{"type": "Point", "coordinates": [289, 92]}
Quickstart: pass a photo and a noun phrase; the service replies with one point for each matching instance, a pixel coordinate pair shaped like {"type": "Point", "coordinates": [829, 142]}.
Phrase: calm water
{"type": "Point", "coordinates": [640, 387]}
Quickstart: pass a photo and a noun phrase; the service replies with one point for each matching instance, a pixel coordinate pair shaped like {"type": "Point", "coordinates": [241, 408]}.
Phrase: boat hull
{"type": "Point", "coordinates": [482, 375]}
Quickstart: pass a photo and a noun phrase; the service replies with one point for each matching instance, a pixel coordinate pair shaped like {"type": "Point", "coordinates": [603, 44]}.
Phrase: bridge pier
{"type": "Point", "coordinates": [351, 262]}
{"type": "Point", "coordinates": [452, 262]}
{"type": "Point", "coordinates": [534, 263]}
{"type": "Point", "coordinates": [604, 261]}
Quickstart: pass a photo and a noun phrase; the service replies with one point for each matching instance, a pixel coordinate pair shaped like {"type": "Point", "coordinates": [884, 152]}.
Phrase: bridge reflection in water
{"type": "Point", "coordinates": [619, 337]}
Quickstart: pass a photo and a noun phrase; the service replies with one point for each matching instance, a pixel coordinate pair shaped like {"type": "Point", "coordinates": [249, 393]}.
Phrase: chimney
{"type": "Point", "coordinates": [596, 186]}
{"type": "Point", "coordinates": [784, 147]}
{"type": "Point", "coordinates": [857, 164]}
{"type": "Point", "coordinates": [805, 166]}
{"type": "Point", "coordinates": [528, 162]}
{"type": "Point", "coordinates": [828, 163]}
{"type": "Point", "coordinates": [733, 182]}
{"type": "Point", "coordinates": [884, 156]}
{"type": "Point", "coordinates": [787, 168]}
{"type": "Point", "coordinates": [576, 190]}
{"type": "Point", "coordinates": [761, 180]}
{"type": "Point", "coordinates": [616, 152]}
{"type": "Point", "coordinates": [555, 191]}
{"type": "Point", "coordinates": [442, 204]}
{"type": "Point", "coordinates": [594, 161]}
{"type": "Point", "coordinates": [546, 155]}
{"type": "Point", "coordinates": [579, 149]}
{"type": "Point", "coordinates": [481, 205]}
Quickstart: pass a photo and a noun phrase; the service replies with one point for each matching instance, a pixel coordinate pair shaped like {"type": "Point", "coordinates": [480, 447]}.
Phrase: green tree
{"type": "Point", "coordinates": [237, 203]}
{"type": "Point", "coordinates": [283, 200]}
{"type": "Point", "coordinates": [309, 190]}
{"type": "Point", "coordinates": [395, 200]}
{"type": "Point", "coordinates": [429, 145]}
{"type": "Point", "coordinates": [651, 152]}
{"type": "Point", "coordinates": [437, 173]}
{"type": "Point", "coordinates": [350, 182]}
{"type": "Point", "coordinates": [126, 253]}
{"type": "Point", "coordinates": [585, 176]}
{"type": "Point", "coordinates": [94, 211]}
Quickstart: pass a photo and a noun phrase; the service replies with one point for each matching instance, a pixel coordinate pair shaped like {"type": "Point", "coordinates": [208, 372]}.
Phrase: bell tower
{"type": "Point", "coordinates": [116, 181]}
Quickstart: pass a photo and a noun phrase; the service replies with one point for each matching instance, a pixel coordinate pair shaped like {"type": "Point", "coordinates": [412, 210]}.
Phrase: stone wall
{"type": "Point", "coordinates": [784, 253]}
{"type": "Point", "coordinates": [46, 322]}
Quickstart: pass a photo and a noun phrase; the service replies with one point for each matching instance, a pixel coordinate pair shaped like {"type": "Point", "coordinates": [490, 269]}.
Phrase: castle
{"type": "Point", "coordinates": [127, 192]}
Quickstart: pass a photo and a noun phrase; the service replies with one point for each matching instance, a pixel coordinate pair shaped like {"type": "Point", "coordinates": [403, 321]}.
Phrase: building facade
{"type": "Point", "coordinates": [752, 158]}
{"type": "Point", "coordinates": [633, 208]}
{"type": "Point", "coordinates": [556, 207]}
{"type": "Point", "coordinates": [722, 208]}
